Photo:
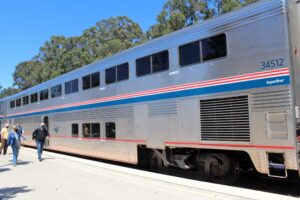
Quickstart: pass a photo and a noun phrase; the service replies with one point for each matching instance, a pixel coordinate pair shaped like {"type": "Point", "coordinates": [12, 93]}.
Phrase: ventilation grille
{"type": "Point", "coordinates": [279, 99]}
{"type": "Point", "coordinates": [225, 119]}
{"type": "Point", "coordinates": [163, 108]}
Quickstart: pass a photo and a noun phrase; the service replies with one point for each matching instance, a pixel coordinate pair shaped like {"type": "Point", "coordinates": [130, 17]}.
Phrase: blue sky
{"type": "Point", "coordinates": [26, 24]}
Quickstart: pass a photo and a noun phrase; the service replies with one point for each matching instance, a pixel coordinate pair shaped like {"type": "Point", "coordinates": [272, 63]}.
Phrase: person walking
{"type": "Point", "coordinates": [39, 136]}
{"type": "Point", "coordinates": [4, 137]}
{"type": "Point", "coordinates": [20, 132]}
{"type": "Point", "coordinates": [14, 141]}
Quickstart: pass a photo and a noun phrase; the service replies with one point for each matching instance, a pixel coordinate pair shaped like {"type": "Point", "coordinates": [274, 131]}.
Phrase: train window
{"type": "Point", "coordinates": [160, 61]}
{"type": "Point", "coordinates": [95, 132]}
{"type": "Point", "coordinates": [189, 53]}
{"type": "Point", "coordinates": [143, 66]}
{"type": "Point", "coordinates": [75, 130]}
{"type": "Point", "coordinates": [34, 97]}
{"type": "Point", "coordinates": [12, 104]}
{"type": "Point", "coordinates": [86, 129]}
{"type": "Point", "coordinates": [86, 82]}
{"type": "Point", "coordinates": [56, 91]}
{"type": "Point", "coordinates": [95, 79]}
{"type": "Point", "coordinates": [214, 47]}
{"type": "Point", "coordinates": [110, 130]}
{"type": "Point", "coordinates": [90, 81]}
{"type": "Point", "coordinates": [18, 102]}
{"type": "Point", "coordinates": [25, 100]}
{"type": "Point", "coordinates": [110, 75]}
{"type": "Point", "coordinates": [91, 130]}
{"type": "Point", "coordinates": [71, 86]}
{"type": "Point", "coordinates": [44, 94]}
{"type": "Point", "coordinates": [123, 72]}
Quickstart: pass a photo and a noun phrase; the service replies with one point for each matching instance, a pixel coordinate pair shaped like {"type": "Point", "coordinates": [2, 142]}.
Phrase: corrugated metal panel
{"type": "Point", "coordinates": [28, 120]}
{"type": "Point", "coordinates": [225, 119]}
{"type": "Point", "coordinates": [276, 99]}
{"type": "Point", "coordinates": [102, 113]}
{"type": "Point", "coordinates": [160, 108]}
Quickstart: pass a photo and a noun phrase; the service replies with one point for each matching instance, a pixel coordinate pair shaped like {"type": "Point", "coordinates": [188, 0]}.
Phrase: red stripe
{"type": "Point", "coordinates": [232, 79]}
{"type": "Point", "coordinates": [232, 145]}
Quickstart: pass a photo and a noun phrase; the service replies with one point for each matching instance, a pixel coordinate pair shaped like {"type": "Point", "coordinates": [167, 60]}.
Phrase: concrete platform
{"type": "Point", "coordinates": [66, 177]}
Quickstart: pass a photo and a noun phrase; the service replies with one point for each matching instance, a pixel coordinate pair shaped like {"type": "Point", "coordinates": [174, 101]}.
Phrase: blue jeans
{"type": "Point", "coordinates": [40, 148]}
{"type": "Point", "coordinates": [15, 149]}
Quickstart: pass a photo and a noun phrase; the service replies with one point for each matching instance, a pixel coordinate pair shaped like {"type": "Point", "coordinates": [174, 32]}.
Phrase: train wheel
{"type": "Point", "coordinates": [155, 163]}
{"type": "Point", "coordinates": [218, 168]}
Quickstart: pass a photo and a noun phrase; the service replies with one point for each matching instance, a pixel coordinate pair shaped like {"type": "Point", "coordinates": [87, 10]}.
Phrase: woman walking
{"type": "Point", "coordinates": [14, 142]}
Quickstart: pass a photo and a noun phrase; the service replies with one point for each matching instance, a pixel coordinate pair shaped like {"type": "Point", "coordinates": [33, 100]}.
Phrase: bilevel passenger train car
{"type": "Point", "coordinates": [218, 97]}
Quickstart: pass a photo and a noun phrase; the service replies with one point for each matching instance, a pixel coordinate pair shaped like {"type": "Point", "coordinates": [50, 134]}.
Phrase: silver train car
{"type": "Point", "coordinates": [219, 97]}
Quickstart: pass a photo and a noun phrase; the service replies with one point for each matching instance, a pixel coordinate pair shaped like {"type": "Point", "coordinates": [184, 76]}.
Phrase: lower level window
{"type": "Point", "coordinates": [91, 130]}
{"type": "Point", "coordinates": [110, 130]}
{"type": "Point", "coordinates": [75, 130]}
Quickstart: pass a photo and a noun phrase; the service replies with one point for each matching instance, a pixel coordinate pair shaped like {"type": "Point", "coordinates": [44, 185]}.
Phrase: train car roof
{"type": "Point", "coordinates": [203, 29]}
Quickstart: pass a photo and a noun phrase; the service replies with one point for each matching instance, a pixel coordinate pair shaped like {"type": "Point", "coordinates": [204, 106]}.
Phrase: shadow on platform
{"type": "Point", "coordinates": [11, 192]}
{"type": "Point", "coordinates": [4, 169]}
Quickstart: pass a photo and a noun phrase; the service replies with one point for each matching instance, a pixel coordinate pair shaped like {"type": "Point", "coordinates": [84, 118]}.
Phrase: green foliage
{"type": "Point", "coordinates": [60, 55]}
{"type": "Point", "coordinates": [8, 91]}
{"type": "Point", "coordinates": [177, 14]}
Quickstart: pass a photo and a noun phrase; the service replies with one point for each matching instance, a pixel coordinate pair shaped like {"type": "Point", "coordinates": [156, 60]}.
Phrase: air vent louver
{"type": "Point", "coordinates": [225, 119]}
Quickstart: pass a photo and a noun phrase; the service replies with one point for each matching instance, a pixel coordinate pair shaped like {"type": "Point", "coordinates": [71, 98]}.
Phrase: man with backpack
{"type": "Point", "coordinates": [39, 136]}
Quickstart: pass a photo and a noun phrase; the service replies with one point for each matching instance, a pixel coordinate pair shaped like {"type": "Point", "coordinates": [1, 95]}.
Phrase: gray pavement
{"type": "Point", "coordinates": [65, 177]}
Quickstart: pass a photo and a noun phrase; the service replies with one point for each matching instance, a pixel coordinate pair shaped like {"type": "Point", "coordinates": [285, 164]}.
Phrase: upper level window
{"type": "Point", "coordinates": [214, 47]}
{"type": "Point", "coordinates": [189, 53]}
{"type": "Point", "coordinates": [91, 81]}
{"type": "Point", "coordinates": [56, 91]}
{"type": "Point", "coordinates": [152, 64]}
{"type": "Point", "coordinates": [117, 73]}
{"type": "Point", "coordinates": [12, 104]}
{"type": "Point", "coordinates": [71, 86]}
{"type": "Point", "coordinates": [210, 48]}
{"type": "Point", "coordinates": [34, 97]}
{"type": "Point", "coordinates": [18, 102]}
{"type": "Point", "coordinates": [25, 100]}
{"type": "Point", "coordinates": [44, 95]}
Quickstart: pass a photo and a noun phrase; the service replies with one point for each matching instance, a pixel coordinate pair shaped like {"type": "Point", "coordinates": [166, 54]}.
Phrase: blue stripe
{"type": "Point", "coordinates": [268, 82]}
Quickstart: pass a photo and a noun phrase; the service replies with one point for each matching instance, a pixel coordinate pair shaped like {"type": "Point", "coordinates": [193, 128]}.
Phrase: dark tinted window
{"type": "Point", "coordinates": [75, 130]}
{"type": "Point", "coordinates": [86, 130]}
{"type": "Point", "coordinates": [91, 130]}
{"type": "Point", "coordinates": [143, 66]}
{"type": "Point", "coordinates": [110, 75]}
{"type": "Point", "coordinates": [95, 130]}
{"type": "Point", "coordinates": [86, 82]}
{"type": "Point", "coordinates": [90, 81]}
{"type": "Point", "coordinates": [189, 53]}
{"type": "Point", "coordinates": [214, 47]}
{"type": "Point", "coordinates": [160, 61]}
{"type": "Point", "coordinates": [18, 102]}
{"type": "Point", "coordinates": [123, 72]}
{"type": "Point", "coordinates": [95, 79]}
{"type": "Point", "coordinates": [56, 91]}
{"type": "Point", "coordinates": [25, 100]}
{"type": "Point", "coordinates": [12, 104]}
{"type": "Point", "coordinates": [34, 97]}
{"type": "Point", "coordinates": [44, 95]}
{"type": "Point", "coordinates": [110, 130]}
{"type": "Point", "coordinates": [71, 86]}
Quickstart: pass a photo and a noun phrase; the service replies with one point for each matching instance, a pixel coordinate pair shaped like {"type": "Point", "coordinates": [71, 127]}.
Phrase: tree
{"type": "Point", "coordinates": [60, 55]}
{"type": "Point", "coordinates": [8, 91]}
{"type": "Point", "coordinates": [177, 14]}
